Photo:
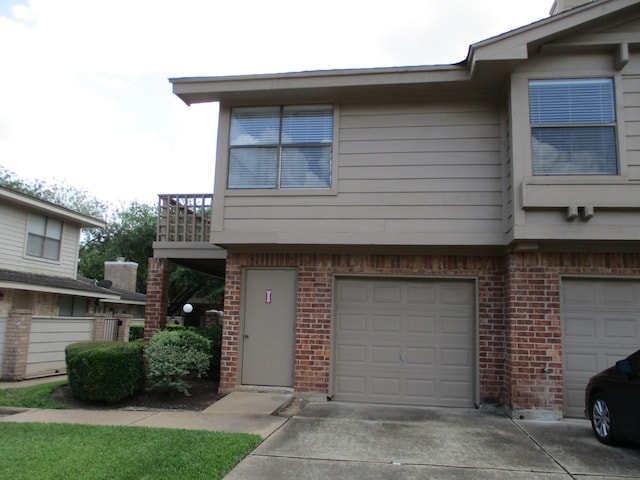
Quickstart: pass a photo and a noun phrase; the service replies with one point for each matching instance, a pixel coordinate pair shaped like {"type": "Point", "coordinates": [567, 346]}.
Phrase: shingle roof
{"type": "Point", "coordinates": [53, 282]}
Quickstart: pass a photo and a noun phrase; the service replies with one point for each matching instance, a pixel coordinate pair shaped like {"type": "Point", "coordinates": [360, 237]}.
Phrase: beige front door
{"type": "Point", "coordinates": [268, 336]}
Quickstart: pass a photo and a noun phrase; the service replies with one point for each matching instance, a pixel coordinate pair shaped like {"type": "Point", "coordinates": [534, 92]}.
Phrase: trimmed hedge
{"type": "Point", "coordinates": [105, 371]}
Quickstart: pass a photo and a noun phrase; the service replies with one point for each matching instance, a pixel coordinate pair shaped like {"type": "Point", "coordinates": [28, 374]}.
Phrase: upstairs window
{"type": "Point", "coordinates": [281, 147]}
{"type": "Point", "coordinates": [44, 237]}
{"type": "Point", "coordinates": [573, 127]}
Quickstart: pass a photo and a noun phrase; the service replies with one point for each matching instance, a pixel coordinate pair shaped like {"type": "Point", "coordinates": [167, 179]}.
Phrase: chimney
{"type": "Point", "coordinates": [560, 6]}
{"type": "Point", "coordinates": [122, 274]}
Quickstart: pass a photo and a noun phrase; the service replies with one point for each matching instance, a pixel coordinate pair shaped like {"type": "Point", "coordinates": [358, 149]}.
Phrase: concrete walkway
{"type": "Point", "coordinates": [238, 412]}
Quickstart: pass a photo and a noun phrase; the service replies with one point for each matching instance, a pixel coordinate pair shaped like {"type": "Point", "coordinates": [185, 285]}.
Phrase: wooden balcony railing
{"type": "Point", "coordinates": [184, 218]}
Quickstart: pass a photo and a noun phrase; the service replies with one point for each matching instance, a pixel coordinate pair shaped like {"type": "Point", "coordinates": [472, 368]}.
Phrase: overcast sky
{"type": "Point", "coordinates": [84, 91]}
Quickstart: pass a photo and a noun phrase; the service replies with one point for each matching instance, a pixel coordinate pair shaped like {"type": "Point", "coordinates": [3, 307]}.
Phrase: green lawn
{"type": "Point", "coordinates": [30, 451]}
{"type": "Point", "coordinates": [37, 396]}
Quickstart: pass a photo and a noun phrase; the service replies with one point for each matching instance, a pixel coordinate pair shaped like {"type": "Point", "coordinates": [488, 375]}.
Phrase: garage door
{"type": "Point", "coordinates": [404, 342]}
{"type": "Point", "coordinates": [601, 320]}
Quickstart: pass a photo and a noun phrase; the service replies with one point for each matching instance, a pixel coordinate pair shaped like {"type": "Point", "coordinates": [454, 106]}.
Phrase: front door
{"type": "Point", "coordinates": [268, 337]}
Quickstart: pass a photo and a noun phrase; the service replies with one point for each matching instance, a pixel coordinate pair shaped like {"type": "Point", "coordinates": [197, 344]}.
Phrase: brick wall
{"type": "Point", "coordinates": [519, 317]}
{"type": "Point", "coordinates": [315, 300]}
{"type": "Point", "coordinates": [533, 368]}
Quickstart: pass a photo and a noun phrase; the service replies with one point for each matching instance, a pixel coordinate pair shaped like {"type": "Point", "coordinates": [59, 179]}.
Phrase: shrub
{"type": "Point", "coordinates": [213, 333]}
{"type": "Point", "coordinates": [105, 371]}
{"type": "Point", "coordinates": [173, 356]}
{"type": "Point", "coordinates": [175, 326]}
{"type": "Point", "coordinates": [136, 331]}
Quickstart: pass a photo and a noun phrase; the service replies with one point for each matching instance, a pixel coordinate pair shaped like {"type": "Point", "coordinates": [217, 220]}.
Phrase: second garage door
{"type": "Point", "coordinates": [601, 320]}
{"type": "Point", "coordinates": [408, 342]}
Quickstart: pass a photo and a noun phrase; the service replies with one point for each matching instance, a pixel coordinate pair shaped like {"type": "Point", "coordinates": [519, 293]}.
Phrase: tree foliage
{"type": "Point", "coordinates": [130, 232]}
{"type": "Point", "coordinates": [185, 284]}
{"type": "Point", "coordinates": [61, 194]}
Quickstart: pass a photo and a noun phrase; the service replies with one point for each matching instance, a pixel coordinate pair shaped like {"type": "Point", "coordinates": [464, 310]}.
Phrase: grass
{"type": "Point", "coordinates": [30, 451]}
{"type": "Point", "coordinates": [36, 396]}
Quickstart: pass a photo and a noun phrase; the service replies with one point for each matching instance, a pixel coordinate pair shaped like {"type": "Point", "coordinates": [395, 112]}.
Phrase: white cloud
{"type": "Point", "coordinates": [84, 95]}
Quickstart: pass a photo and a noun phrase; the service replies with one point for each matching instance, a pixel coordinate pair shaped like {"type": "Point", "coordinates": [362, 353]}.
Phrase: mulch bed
{"type": "Point", "coordinates": [203, 393]}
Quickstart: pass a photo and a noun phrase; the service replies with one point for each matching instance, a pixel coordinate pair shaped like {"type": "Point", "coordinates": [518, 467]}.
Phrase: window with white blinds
{"type": "Point", "coordinates": [573, 127]}
{"type": "Point", "coordinates": [284, 147]}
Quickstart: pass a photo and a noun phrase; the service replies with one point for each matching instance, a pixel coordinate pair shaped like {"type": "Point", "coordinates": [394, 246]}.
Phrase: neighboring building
{"type": "Point", "coordinates": [43, 305]}
{"type": "Point", "coordinates": [451, 236]}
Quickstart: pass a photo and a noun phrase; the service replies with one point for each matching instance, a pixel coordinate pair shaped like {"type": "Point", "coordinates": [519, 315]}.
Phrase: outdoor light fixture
{"type": "Point", "coordinates": [188, 308]}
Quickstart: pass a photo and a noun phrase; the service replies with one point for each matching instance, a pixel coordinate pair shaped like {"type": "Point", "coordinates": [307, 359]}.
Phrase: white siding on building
{"type": "Point", "coordinates": [13, 228]}
{"type": "Point", "coordinates": [49, 337]}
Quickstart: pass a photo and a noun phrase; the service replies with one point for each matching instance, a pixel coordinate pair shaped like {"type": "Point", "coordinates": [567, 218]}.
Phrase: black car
{"type": "Point", "coordinates": [612, 401]}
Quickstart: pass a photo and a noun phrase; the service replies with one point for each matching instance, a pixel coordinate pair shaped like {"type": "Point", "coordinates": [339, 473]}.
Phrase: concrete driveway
{"type": "Point", "coordinates": [344, 440]}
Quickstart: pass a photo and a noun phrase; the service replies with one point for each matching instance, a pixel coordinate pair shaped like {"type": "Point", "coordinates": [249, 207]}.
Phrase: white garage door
{"type": "Point", "coordinates": [408, 342]}
{"type": "Point", "coordinates": [601, 320]}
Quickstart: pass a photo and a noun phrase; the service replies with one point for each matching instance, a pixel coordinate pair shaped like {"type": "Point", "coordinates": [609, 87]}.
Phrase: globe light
{"type": "Point", "coordinates": [188, 308]}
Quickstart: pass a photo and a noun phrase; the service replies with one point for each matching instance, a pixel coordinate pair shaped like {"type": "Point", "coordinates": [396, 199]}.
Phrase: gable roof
{"type": "Point", "coordinates": [487, 61]}
{"type": "Point", "coordinates": [35, 204]}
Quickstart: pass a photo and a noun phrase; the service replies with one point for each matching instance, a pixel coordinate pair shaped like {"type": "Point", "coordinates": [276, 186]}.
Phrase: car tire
{"type": "Point", "coordinates": [602, 421]}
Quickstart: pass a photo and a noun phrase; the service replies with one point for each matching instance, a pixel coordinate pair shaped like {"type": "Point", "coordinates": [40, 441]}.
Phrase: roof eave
{"type": "Point", "coordinates": [59, 290]}
{"type": "Point", "coordinates": [215, 89]}
{"type": "Point", "coordinates": [33, 203]}
{"type": "Point", "coordinates": [514, 46]}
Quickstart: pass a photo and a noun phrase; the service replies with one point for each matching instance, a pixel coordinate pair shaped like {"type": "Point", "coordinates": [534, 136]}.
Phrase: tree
{"type": "Point", "coordinates": [129, 233]}
{"type": "Point", "coordinates": [61, 194]}
{"type": "Point", "coordinates": [185, 283]}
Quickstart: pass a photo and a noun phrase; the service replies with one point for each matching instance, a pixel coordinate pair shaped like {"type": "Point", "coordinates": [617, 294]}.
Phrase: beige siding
{"type": "Point", "coordinates": [49, 338]}
{"type": "Point", "coordinates": [631, 98]}
{"type": "Point", "coordinates": [405, 172]}
{"type": "Point", "coordinates": [13, 228]}
{"type": "Point", "coordinates": [541, 203]}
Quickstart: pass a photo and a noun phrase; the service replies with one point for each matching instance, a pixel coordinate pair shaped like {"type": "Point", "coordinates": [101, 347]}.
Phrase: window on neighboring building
{"type": "Point", "coordinates": [281, 147]}
{"type": "Point", "coordinates": [573, 127]}
{"type": "Point", "coordinates": [44, 237]}
{"type": "Point", "coordinates": [72, 306]}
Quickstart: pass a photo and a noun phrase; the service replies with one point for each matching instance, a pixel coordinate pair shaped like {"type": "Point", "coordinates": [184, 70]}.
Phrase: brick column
{"type": "Point", "coordinates": [230, 325]}
{"type": "Point", "coordinates": [16, 345]}
{"type": "Point", "coordinates": [123, 327]}
{"type": "Point", "coordinates": [98, 327]}
{"type": "Point", "coordinates": [534, 381]}
{"type": "Point", "coordinates": [155, 314]}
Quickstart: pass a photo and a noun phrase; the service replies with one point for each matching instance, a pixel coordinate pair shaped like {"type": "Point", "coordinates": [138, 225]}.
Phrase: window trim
{"type": "Point", "coordinates": [28, 234]}
{"type": "Point", "coordinates": [575, 126]}
{"type": "Point", "coordinates": [522, 153]}
{"type": "Point", "coordinates": [224, 148]}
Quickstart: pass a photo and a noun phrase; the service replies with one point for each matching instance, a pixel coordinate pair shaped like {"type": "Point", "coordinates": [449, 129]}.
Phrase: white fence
{"type": "Point", "coordinates": [48, 339]}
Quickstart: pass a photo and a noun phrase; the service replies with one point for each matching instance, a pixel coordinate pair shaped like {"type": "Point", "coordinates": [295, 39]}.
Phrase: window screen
{"type": "Point", "coordinates": [573, 127]}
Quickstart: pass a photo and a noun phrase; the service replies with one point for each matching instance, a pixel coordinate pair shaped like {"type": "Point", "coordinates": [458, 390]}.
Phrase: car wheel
{"type": "Point", "coordinates": [601, 420]}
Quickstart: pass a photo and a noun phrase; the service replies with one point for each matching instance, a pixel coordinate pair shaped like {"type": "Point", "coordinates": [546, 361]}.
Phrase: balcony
{"type": "Point", "coordinates": [184, 218]}
{"type": "Point", "coordinates": [183, 232]}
